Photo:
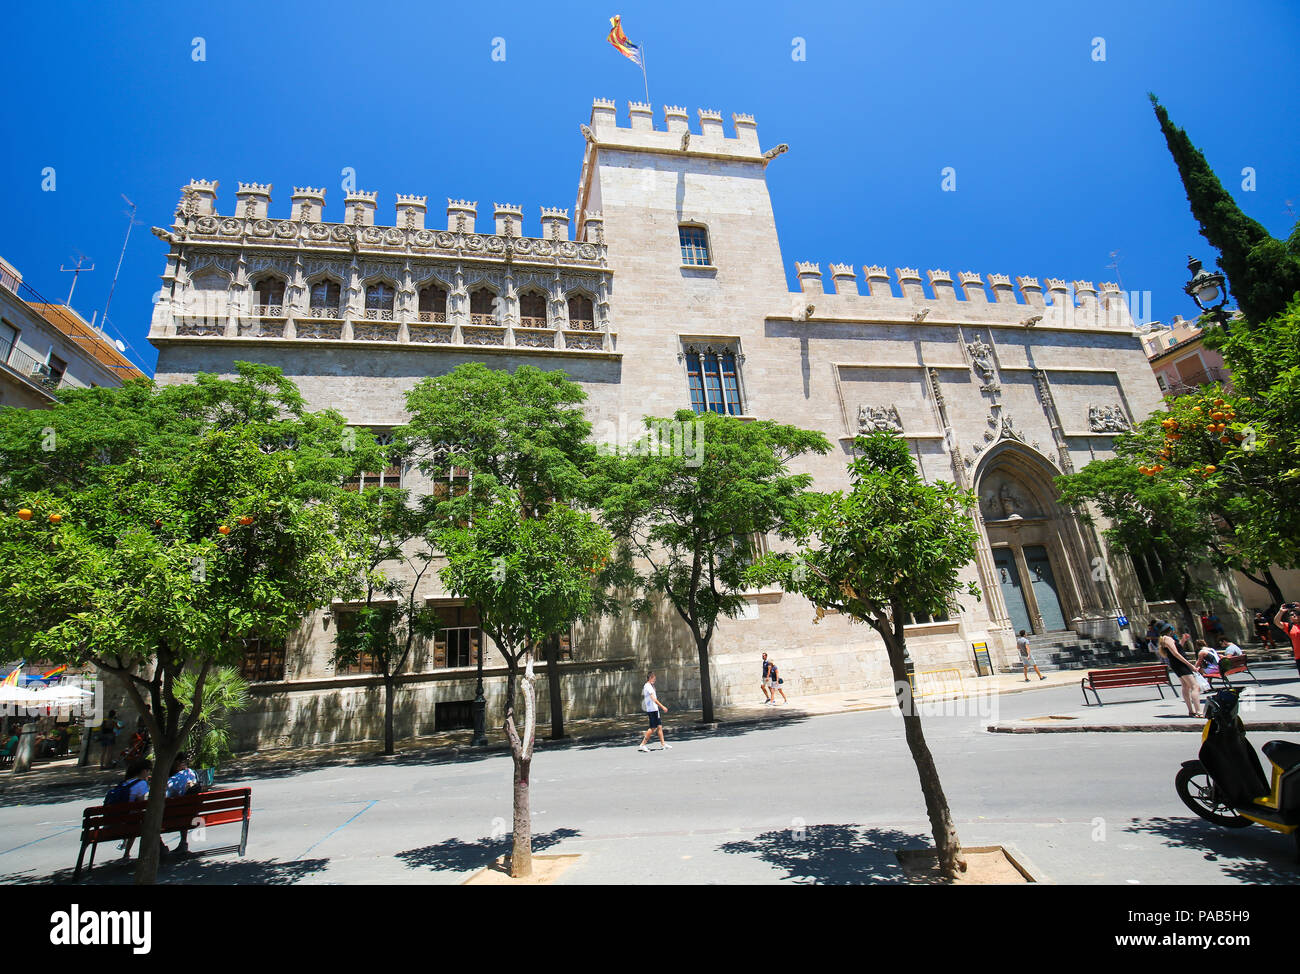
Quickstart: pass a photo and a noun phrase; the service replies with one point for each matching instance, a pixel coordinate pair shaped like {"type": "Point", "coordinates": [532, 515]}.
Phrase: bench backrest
{"type": "Point", "coordinates": [104, 823]}
{"type": "Point", "coordinates": [1128, 676]}
{"type": "Point", "coordinates": [1232, 664]}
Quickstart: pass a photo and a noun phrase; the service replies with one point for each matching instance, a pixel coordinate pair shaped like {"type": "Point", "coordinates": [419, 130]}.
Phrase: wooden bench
{"type": "Point", "coordinates": [1152, 675]}
{"type": "Point", "coordinates": [1228, 665]}
{"type": "Point", "coordinates": [114, 823]}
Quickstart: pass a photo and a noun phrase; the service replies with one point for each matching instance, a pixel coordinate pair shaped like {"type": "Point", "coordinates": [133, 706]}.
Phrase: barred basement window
{"type": "Point", "coordinates": [262, 661]}
{"type": "Point", "coordinates": [695, 245]}
{"type": "Point", "coordinates": [713, 380]}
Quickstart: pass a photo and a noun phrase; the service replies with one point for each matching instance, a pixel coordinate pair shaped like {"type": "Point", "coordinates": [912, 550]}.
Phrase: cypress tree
{"type": "Point", "coordinates": [1263, 272]}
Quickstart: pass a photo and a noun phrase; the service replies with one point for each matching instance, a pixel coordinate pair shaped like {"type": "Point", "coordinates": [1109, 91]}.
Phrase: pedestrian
{"type": "Point", "coordinates": [1216, 626]}
{"type": "Point", "coordinates": [1182, 669]}
{"type": "Point", "coordinates": [1153, 636]}
{"type": "Point", "coordinates": [651, 705]}
{"type": "Point", "coordinates": [1207, 625]}
{"type": "Point", "coordinates": [774, 682]}
{"type": "Point", "coordinates": [108, 729]}
{"type": "Point", "coordinates": [183, 781]}
{"type": "Point", "coordinates": [142, 727]}
{"type": "Point", "coordinates": [1263, 631]}
{"type": "Point", "coordinates": [767, 668]}
{"type": "Point", "coordinates": [1228, 648]}
{"type": "Point", "coordinates": [1288, 620]}
{"type": "Point", "coordinates": [1026, 657]}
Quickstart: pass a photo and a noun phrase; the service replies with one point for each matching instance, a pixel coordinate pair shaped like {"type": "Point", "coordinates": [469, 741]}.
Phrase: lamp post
{"type": "Point", "coordinates": [480, 705]}
{"type": "Point", "coordinates": [1208, 290]}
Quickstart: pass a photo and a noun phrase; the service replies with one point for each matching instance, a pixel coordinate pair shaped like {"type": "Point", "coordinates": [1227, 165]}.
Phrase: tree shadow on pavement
{"type": "Point", "coordinates": [695, 731]}
{"type": "Point", "coordinates": [188, 872]}
{"type": "Point", "coordinates": [841, 855]}
{"type": "Point", "coordinates": [457, 856]}
{"type": "Point", "coordinates": [1252, 855]}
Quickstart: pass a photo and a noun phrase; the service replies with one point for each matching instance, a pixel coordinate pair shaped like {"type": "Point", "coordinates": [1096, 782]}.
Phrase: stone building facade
{"type": "Point", "coordinates": [667, 289]}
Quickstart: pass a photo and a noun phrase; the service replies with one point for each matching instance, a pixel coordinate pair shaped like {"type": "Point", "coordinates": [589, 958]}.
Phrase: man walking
{"type": "Point", "coordinates": [651, 705]}
{"type": "Point", "coordinates": [767, 672]}
{"type": "Point", "coordinates": [1026, 658]}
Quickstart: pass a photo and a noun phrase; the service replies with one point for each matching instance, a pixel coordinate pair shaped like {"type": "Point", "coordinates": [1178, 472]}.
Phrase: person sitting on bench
{"type": "Point", "coordinates": [1228, 648]}
{"type": "Point", "coordinates": [135, 788]}
{"type": "Point", "coordinates": [183, 781]}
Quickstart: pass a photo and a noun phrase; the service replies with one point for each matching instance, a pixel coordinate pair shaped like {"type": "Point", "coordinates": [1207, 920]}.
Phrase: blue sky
{"type": "Point", "coordinates": [1058, 158]}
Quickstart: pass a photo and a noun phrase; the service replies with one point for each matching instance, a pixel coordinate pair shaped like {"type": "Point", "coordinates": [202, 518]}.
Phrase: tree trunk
{"type": "Point", "coordinates": [706, 682]}
{"type": "Point", "coordinates": [946, 842]}
{"type": "Point", "coordinates": [1189, 619]}
{"type": "Point", "coordinates": [553, 684]}
{"type": "Point", "coordinates": [388, 714]}
{"type": "Point", "coordinates": [1274, 590]}
{"type": "Point", "coordinates": [521, 751]}
{"type": "Point", "coordinates": [146, 867]}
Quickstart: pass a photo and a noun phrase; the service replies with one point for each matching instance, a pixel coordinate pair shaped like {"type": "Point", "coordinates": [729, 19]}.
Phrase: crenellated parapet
{"type": "Point", "coordinates": [1077, 305]}
{"type": "Point", "coordinates": [675, 134]}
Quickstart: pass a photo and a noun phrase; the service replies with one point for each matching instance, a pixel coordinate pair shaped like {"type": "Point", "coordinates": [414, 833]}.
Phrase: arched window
{"type": "Point", "coordinates": [268, 297]}
{"type": "Point", "coordinates": [325, 299]}
{"type": "Point", "coordinates": [481, 310]}
{"type": "Point", "coordinates": [433, 303]}
{"type": "Point", "coordinates": [532, 309]}
{"type": "Point", "coordinates": [580, 313]}
{"type": "Point", "coordinates": [713, 380]}
{"type": "Point", "coordinates": [379, 302]}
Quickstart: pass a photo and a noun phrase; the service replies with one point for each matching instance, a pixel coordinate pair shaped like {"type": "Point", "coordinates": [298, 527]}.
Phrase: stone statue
{"type": "Point", "coordinates": [982, 356]}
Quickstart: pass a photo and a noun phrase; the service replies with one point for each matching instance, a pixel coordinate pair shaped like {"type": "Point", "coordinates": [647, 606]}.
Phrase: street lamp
{"type": "Point", "coordinates": [1208, 290]}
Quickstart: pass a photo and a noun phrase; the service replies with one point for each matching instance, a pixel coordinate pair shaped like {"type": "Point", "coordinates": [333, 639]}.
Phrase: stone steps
{"type": "Point", "coordinates": [1069, 651]}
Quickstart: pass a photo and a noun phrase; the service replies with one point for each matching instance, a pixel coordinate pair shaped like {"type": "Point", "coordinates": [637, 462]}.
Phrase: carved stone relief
{"type": "Point", "coordinates": [878, 419]}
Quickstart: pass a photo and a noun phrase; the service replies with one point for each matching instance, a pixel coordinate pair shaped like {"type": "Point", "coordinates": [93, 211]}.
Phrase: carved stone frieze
{"type": "Point", "coordinates": [1108, 418]}
{"type": "Point", "coordinates": [881, 418]}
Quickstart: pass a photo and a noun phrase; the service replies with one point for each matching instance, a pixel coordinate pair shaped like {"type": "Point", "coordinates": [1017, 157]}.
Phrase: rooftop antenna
{"type": "Point", "coordinates": [1114, 265]}
{"type": "Point", "coordinates": [81, 258]}
{"type": "Point", "coordinates": [131, 221]}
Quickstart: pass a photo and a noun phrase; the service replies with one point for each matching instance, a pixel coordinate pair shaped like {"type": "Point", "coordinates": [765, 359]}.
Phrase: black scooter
{"type": "Point", "coordinates": [1227, 785]}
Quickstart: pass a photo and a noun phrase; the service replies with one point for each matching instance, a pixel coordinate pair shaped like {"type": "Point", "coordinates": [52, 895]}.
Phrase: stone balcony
{"type": "Point", "coordinates": [384, 326]}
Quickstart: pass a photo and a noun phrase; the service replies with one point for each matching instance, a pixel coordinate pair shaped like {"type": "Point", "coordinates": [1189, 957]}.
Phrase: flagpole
{"type": "Point", "coordinates": [643, 76]}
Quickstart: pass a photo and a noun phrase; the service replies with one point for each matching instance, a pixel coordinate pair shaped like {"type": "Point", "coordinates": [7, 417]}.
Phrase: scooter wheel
{"type": "Point", "coordinates": [1196, 789]}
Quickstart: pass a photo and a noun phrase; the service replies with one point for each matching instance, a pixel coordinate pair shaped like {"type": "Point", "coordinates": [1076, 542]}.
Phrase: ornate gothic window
{"type": "Point", "coordinates": [713, 379]}
{"type": "Point", "coordinates": [433, 303]}
{"type": "Point", "coordinates": [379, 302]}
{"type": "Point", "coordinates": [325, 299]}
{"type": "Point", "coordinates": [532, 309]}
{"type": "Point", "coordinates": [390, 476]}
{"type": "Point", "coordinates": [481, 310]}
{"type": "Point", "coordinates": [581, 313]}
{"type": "Point", "coordinates": [695, 245]}
{"type": "Point", "coordinates": [268, 297]}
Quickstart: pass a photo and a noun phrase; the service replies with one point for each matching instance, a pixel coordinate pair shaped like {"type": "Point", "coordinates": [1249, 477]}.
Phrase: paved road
{"type": "Point", "coordinates": [822, 799]}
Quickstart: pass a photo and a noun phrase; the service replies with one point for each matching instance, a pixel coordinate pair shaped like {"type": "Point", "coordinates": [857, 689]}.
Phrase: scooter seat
{"type": "Point", "coordinates": [1284, 754]}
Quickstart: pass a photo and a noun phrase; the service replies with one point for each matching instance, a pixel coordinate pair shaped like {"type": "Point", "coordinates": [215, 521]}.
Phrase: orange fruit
{"type": "Point", "coordinates": [245, 520]}
{"type": "Point", "coordinates": [56, 518]}
{"type": "Point", "coordinates": [25, 514]}
{"type": "Point", "coordinates": [223, 529]}
{"type": "Point", "coordinates": [1211, 468]}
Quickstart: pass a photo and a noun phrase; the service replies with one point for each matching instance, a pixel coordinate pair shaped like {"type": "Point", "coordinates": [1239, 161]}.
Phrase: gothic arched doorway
{"type": "Point", "coordinates": [1038, 566]}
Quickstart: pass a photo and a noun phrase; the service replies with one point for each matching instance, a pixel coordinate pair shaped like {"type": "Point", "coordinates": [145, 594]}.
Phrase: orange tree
{"type": "Point", "coordinates": [164, 526]}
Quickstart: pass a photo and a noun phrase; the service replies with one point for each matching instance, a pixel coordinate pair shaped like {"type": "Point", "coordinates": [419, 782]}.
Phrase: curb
{"type": "Point", "coordinates": [1263, 725]}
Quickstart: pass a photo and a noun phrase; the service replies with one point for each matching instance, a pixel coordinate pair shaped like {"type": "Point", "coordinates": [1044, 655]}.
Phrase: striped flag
{"type": "Point", "coordinates": [625, 47]}
{"type": "Point", "coordinates": [12, 679]}
{"type": "Point", "coordinates": [54, 672]}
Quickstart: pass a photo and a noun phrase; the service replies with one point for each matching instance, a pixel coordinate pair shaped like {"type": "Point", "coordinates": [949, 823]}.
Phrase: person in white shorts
{"type": "Point", "coordinates": [1026, 657]}
{"type": "Point", "coordinates": [651, 705]}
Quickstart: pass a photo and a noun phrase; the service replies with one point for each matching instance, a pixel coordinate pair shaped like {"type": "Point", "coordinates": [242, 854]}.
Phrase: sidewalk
{"type": "Point", "coordinates": [455, 745]}
{"type": "Point", "coordinates": [1272, 705]}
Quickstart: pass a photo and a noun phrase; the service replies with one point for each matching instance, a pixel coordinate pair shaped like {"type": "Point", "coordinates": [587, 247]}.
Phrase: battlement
{"type": "Point", "coordinates": [675, 135]}
{"type": "Point", "coordinates": [360, 209]}
{"type": "Point", "coordinates": [1076, 306]}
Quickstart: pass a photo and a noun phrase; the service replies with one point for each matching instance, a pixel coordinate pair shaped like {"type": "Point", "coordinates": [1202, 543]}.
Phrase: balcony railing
{"type": "Point", "coordinates": [582, 324]}
{"type": "Point", "coordinates": [332, 313]}
{"type": "Point", "coordinates": [433, 317]}
{"type": "Point", "coordinates": [482, 319]}
{"type": "Point", "coordinates": [29, 368]}
{"type": "Point", "coordinates": [268, 310]}
{"type": "Point", "coordinates": [529, 322]}
{"type": "Point", "coordinates": [1191, 383]}
{"type": "Point", "coordinates": [379, 314]}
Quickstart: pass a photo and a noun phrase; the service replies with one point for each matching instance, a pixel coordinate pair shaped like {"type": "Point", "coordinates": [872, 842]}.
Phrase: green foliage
{"type": "Point", "coordinates": [692, 520]}
{"type": "Point", "coordinates": [890, 546]}
{"type": "Point", "coordinates": [1264, 272]}
{"type": "Point", "coordinates": [224, 693]}
{"type": "Point", "coordinates": [524, 430]}
{"type": "Point", "coordinates": [529, 577]}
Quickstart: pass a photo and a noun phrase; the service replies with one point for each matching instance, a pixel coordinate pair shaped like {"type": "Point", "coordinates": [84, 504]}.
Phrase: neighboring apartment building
{"type": "Point", "coordinates": [45, 347]}
{"type": "Point", "coordinates": [1179, 357]}
{"type": "Point", "coordinates": [670, 292]}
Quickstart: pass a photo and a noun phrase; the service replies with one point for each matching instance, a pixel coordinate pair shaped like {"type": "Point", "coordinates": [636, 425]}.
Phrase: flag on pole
{"type": "Point", "coordinates": [625, 47]}
{"type": "Point", "coordinates": [54, 672]}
